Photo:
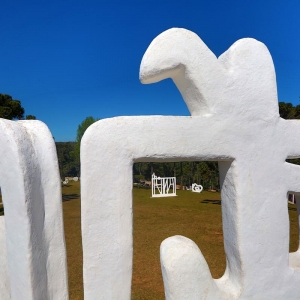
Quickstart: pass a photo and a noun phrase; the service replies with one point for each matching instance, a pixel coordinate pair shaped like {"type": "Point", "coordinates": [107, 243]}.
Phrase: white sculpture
{"type": "Point", "coordinates": [235, 121]}
{"type": "Point", "coordinates": [197, 188]}
{"type": "Point", "coordinates": [32, 246]}
{"type": "Point", "coordinates": [165, 186]}
{"type": "Point", "coordinates": [75, 178]}
{"type": "Point", "coordinates": [291, 199]}
{"type": "Point", "coordinates": [66, 181]}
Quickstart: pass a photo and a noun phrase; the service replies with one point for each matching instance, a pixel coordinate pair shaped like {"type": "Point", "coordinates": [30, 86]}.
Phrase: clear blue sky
{"type": "Point", "coordinates": [66, 60]}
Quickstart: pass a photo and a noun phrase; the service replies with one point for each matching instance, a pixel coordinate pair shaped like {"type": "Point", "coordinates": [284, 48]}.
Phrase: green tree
{"type": "Point", "coordinates": [10, 109]}
{"type": "Point", "coordinates": [82, 127]}
{"type": "Point", "coordinates": [68, 164]}
{"type": "Point", "coordinates": [30, 117]}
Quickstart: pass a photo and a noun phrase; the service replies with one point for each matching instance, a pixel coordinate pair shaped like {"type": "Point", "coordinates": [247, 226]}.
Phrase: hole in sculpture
{"type": "Point", "coordinates": [293, 216]}
{"type": "Point", "coordinates": [194, 215]}
{"type": "Point", "coordinates": [294, 227]}
{"type": "Point", "coordinates": [1, 204]}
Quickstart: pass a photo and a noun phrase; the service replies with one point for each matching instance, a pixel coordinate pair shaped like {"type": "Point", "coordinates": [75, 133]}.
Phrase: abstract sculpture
{"type": "Point", "coordinates": [165, 186]}
{"type": "Point", "coordinates": [235, 121]}
{"type": "Point", "coordinates": [197, 188]}
{"type": "Point", "coordinates": [32, 246]}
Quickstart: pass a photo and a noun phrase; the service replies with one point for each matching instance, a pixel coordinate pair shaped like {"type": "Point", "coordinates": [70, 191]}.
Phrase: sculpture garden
{"type": "Point", "coordinates": [154, 220]}
{"type": "Point", "coordinates": [234, 120]}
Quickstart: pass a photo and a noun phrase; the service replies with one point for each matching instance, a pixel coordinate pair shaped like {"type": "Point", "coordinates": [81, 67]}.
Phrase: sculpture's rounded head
{"type": "Point", "coordinates": [169, 52]}
{"type": "Point", "coordinates": [181, 55]}
{"type": "Point", "coordinates": [241, 82]}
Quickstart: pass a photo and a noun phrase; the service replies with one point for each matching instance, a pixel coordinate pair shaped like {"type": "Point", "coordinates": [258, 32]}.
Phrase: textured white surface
{"type": "Point", "coordinates": [235, 121]}
{"type": "Point", "coordinates": [4, 279]}
{"type": "Point", "coordinates": [31, 191]}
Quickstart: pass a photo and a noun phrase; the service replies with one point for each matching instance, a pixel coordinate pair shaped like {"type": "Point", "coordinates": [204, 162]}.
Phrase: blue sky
{"type": "Point", "coordinates": [66, 60]}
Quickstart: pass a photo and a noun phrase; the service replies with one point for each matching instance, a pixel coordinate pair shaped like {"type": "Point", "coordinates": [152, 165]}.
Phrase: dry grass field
{"type": "Point", "coordinates": [196, 216]}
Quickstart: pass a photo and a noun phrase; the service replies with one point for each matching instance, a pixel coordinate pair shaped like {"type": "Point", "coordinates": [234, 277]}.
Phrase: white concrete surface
{"type": "Point", "coordinates": [235, 121]}
{"type": "Point", "coordinates": [4, 278]}
{"type": "Point", "coordinates": [31, 191]}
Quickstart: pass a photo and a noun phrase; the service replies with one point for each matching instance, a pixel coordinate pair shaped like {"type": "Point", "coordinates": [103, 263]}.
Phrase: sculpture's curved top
{"type": "Point", "coordinates": [241, 81]}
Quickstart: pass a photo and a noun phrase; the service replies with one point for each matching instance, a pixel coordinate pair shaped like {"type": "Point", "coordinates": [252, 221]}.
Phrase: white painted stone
{"type": "Point", "coordinates": [235, 121]}
{"type": "Point", "coordinates": [31, 191]}
{"type": "Point", "coordinates": [163, 186]}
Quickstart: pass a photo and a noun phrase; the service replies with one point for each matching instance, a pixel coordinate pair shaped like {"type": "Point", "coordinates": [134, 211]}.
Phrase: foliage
{"type": "Point", "coordinates": [288, 111]}
{"type": "Point", "coordinates": [10, 109]}
{"type": "Point", "coordinates": [67, 160]}
{"type": "Point", "coordinates": [82, 127]}
{"type": "Point", "coordinates": [30, 117]}
{"type": "Point", "coordinates": [186, 173]}
{"type": "Point", "coordinates": [68, 153]}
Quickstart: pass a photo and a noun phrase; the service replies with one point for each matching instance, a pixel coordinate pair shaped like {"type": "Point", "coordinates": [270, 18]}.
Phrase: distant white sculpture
{"type": "Point", "coordinates": [66, 181]}
{"type": "Point", "coordinates": [75, 178]}
{"type": "Point", "coordinates": [291, 199]}
{"type": "Point", "coordinates": [163, 186]}
{"type": "Point", "coordinates": [197, 188]}
{"type": "Point", "coordinates": [235, 121]}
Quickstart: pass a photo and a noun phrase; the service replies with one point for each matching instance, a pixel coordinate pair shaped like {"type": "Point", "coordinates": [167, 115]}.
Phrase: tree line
{"type": "Point", "coordinates": [186, 173]}
{"type": "Point", "coordinates": [205, 173]}
{"type": "Point", "coordinates": [12, 109]}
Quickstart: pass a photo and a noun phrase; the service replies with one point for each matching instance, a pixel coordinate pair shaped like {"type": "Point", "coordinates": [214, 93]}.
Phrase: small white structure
{"type": "Point", "coordinates": [197, 188]}
{"type": "Point", "coordinates": [163, 186]}
{"type": "Point", "coordinates": [75, 178]}
{"type": "Point", "coordinates": [66, 181]}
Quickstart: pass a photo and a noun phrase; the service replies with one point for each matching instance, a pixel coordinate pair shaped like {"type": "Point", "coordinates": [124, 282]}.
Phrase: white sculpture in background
{"type": "Point", "coordinates": [235, 121]}
{"type": "Point", "coordinates": [197, 188]}
{"type": "Point", "coordinates": [66, 181]}
{"type": "Point", "coordinates": [165, 186]}
{"type": "Point", "coordinates": [75, 178]}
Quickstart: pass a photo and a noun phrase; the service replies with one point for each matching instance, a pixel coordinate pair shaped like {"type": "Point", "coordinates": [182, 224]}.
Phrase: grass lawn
{"type": "Point", "coordinates": [196, 216]}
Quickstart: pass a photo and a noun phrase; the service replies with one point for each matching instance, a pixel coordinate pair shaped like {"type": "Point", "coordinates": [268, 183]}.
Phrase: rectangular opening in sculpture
{"type": "Point", "coordinates": [293, 214]}
{"type": "Point", "coordinates": [194, 215]}
{"type": "Point", "coordinates": [294, 225]}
